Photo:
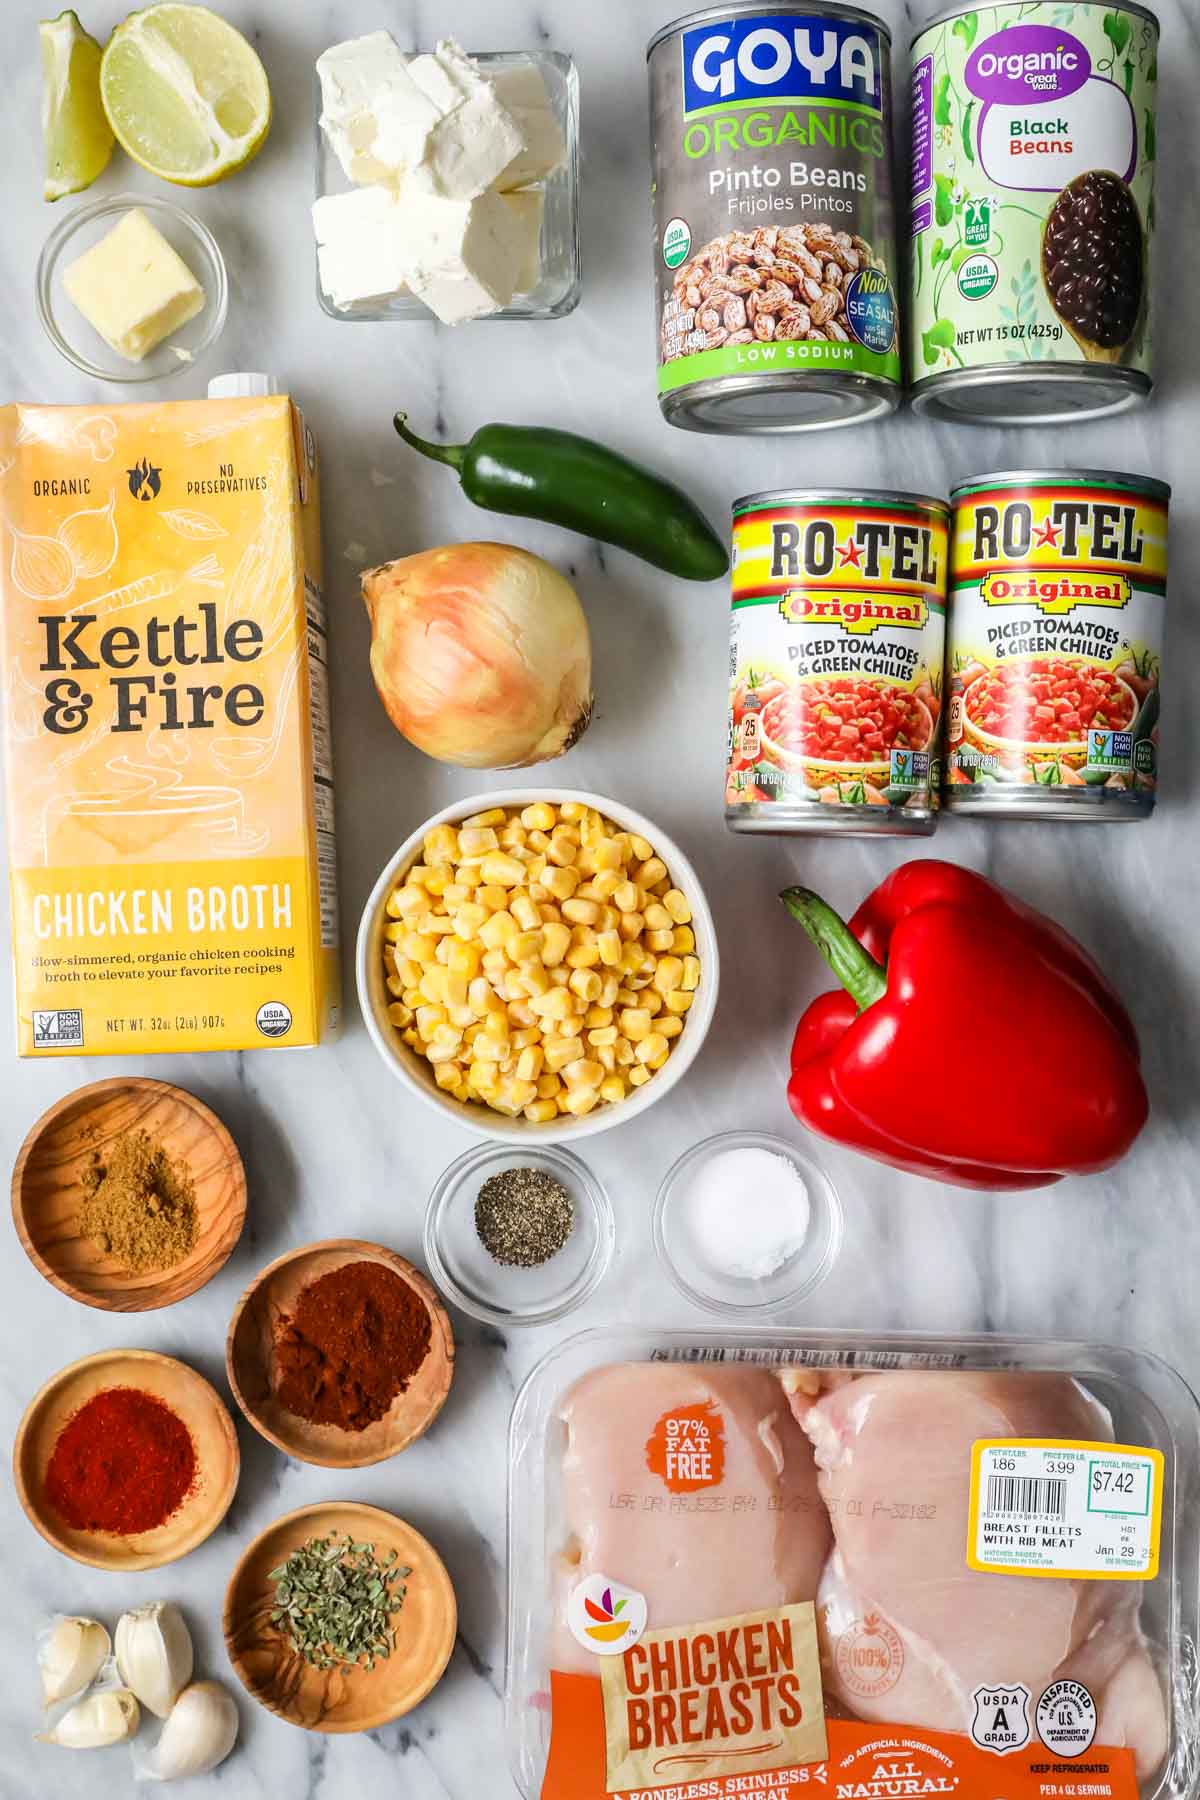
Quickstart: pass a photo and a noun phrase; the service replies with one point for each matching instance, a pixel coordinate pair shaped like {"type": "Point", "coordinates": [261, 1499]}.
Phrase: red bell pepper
{"type": "Point", "coordinates": [973, 1039]}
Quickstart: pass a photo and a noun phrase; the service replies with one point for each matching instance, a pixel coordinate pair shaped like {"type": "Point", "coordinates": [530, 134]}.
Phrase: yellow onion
{"type": "Point", "coordinates": [481, 654]}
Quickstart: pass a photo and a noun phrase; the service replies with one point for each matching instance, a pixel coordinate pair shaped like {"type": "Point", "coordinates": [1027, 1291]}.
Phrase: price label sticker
{"type": "Point", "coordinates": [1043, 1506]}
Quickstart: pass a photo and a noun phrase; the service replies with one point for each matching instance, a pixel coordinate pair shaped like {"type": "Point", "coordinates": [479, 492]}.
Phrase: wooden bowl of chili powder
{"type": "Point", "coordinates": [126, 1460]}
{"type": "Point", "coordinates": [340, 1353]}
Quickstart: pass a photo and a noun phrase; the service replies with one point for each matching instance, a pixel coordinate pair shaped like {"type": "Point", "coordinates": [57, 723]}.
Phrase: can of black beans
{"type": "Point", "coordinates": [1032, 211]}
{"type": "Point", "coordinates": [774, 234]}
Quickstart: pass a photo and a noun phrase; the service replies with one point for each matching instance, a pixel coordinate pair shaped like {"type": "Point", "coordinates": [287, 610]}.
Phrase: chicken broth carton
{"type": "Point", "coordinates": [170, 808]}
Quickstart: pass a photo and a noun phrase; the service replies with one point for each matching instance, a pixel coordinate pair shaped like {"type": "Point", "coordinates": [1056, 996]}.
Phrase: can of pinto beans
{"type": "Point", "coordinates": [1057, 588]}
{"type": "Point", "coordinates": [835, 662]}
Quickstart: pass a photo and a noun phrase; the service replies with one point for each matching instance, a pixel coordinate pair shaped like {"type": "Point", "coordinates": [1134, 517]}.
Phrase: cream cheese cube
{"type": "Point", "coordinates": [133, 287]}
{"type": "Point", "coordinates": [361, 245]}
{"type": "Point", "coordinates": [469, 149]}
{"type": "Point", "coordinates": [465, 255]}
{"type": "Point", "coordinates": [376, 118]}
{"type": "Point", "coordinates": [522, 92]}
{"type": "Point", "coordinates": [525, 211]}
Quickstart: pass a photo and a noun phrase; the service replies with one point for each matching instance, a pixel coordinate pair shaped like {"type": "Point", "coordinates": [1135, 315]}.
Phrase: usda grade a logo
{"type": "Point", "coordinates": [1001, 1721]}
{"type": "Point", "coordinates": [676, 243]}
{"type": "Point", "coordinates": [977, 277]}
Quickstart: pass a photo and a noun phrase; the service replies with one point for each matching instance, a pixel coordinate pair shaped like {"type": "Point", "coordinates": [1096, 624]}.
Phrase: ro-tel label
{"type": "Point", "coordinates": [1066, 1510]}
{"type": "Point", "coordinates": [1055, 631]}
{"type": "Point", "coordinates": [838, 609]}
{"type": "Point", "coordinates": [710, 1703]}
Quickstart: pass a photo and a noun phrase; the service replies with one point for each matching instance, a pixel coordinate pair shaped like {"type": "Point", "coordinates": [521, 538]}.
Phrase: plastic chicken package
{"type": "Point", "coordinates": [878, 1568]}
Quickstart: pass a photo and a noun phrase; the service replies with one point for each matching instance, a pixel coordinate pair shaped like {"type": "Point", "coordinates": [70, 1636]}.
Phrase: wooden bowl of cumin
{"type": "Point", "coordinates": [77, 1134]}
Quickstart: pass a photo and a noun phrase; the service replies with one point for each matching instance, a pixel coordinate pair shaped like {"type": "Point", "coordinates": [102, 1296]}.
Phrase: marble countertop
{"type": "Point", "coordinates": [332, 1146]}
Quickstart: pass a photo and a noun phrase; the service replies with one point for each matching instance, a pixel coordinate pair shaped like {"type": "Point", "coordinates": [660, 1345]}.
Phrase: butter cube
{"type": "Point", "coordinates": [374, 114]}
{"type": "Point", "coordinates": [361, 249]}
{"type": "Point", "coordinates": [133, 287]}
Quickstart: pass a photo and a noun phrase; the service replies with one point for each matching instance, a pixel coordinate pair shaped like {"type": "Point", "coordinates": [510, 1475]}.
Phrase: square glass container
{"type": "Point", "coordinates": [557, 293]}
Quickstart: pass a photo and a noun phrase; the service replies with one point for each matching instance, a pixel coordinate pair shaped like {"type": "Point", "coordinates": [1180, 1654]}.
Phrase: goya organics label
{"type": "Point", "coordinates": [774, 231]}
{"type": "Point", "coordinates": [1058, 585]}
{"type": "Point", "coordinates": [1033, 188]}
{"type": "Point", "coordinates": [836, 651]}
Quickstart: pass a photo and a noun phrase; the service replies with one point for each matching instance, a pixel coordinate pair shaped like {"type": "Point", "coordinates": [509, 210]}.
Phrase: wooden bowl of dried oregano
{"type": "Point", "coordinates": [128, 1194]}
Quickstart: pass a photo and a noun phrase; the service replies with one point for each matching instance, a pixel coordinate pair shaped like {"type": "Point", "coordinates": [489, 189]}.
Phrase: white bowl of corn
{"type": "Point", "coordinates": [538, 963]}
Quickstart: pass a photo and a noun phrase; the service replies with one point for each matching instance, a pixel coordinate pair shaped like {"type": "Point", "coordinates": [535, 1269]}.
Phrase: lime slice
{"type": "Point", "coordinates": [185, 94]}
{"type": "Point", "coordinates": [78, 137]}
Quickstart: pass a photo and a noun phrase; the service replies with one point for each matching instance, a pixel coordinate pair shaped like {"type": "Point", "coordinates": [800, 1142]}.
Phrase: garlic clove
{"type": "Point", "coordinates": [70, 1652]}
{"type": "Point", "coordinates": [41, 567]}
{"type": "Point", "coordinates": [200, 1731]}
{"type": "Point", "coordinates": [95, 1722]}
{"type": "Point", "coordinates": [154, 1655]}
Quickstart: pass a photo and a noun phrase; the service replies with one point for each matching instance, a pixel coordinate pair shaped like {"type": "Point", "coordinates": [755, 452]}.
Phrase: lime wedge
{"type": "Point", "coordinates": [78, 138]}
{"type": "Point", "coordinates": [185, 94]}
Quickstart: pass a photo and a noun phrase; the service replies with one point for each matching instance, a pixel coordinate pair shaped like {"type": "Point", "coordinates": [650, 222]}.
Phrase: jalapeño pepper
{"type": "Point", "coordinates": [571, 481]}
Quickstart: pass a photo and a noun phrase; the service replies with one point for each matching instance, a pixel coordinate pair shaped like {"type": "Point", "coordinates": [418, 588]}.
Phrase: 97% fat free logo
{"type": "Point", "coordinates": [605, 1616]}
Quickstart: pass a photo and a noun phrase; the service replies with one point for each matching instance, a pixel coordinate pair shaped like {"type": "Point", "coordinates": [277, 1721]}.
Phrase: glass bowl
{"type": "Point", "coordinates": [471, 1277]}
{"type": "Point", "coordinates": [79, 342]}
{"type": "Point", "coordinates": [738, 1295]}
{"type": "Point", "coordinates": [557, 293]}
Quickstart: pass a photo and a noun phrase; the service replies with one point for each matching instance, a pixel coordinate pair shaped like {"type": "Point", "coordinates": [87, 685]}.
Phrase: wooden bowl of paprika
{"type": "Point", "coordinates": [340, 1353]}
{"type": "Point", "coordinates": [126, 1460]}
{"type": "Point", "coordinates": [128, 1194]}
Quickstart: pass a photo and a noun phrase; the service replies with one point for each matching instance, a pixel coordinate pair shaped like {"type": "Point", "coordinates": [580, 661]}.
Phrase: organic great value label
{"type": "Point", "coordinates": [773, 198]}
{"type": "Point", "coordinates": [1032, 187]}
{"type": "Point", "coordinates": [1054, 1507]}
{"type": "Point", "coordinates": [836, 652]}
{"type": "Point", "coordinates": [1055, 631]}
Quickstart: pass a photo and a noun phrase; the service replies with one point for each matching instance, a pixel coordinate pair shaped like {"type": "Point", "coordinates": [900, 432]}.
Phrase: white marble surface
{"type": "Point", "coordinates": [331, 1144]}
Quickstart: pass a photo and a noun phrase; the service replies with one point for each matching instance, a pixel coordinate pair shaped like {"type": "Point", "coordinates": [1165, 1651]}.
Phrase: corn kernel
{"type": "Point", "coordinates": [530, 1063]}
{"type": "Point", "coordinates": [679, 1003]}
{"type": "Point", "coordinates": [626, 897]}
{"type": "Point", "coordinates": [525, 912]}
{"type": "Point", "coordinates": [429, 1018]}
{"type": "Point", "coordinates": [440, 844]}
{"type": "Point", "coordinates": [653, 1050]}
{"type": "Point", "coordinates": [409, 900]}
{"type": "Point", "coordinates": [447, 1075]}
{"type": "Point", "coordinates": [573, 810]}
{"type": "Point", "coordinates": [513, 835]}
{"type": "Point", "coordinates": [499, 931]}
{"type": "Point", "coordinates": [651, 872]}
{"type": "Point", "coordinates": [639, 1076]}
{"type": "Point", "coordinates": [597, 1017]}
{"type": "Point", "coordinates": [395, 985]}
{"type": "Point", "coordinates": [691, 974]}
{"type": "Point", "coordinates": [396, 932]}
{"type": "Point", "coordinates": [413, 1041]}
{"type": "Point", "coordinates": [668, 974]}
{"type": "Point", "coordinates": [609, 945]}
{"type": "Point", "coordinates": [556, 941]}
{"type": "Point", "coordinates": [494, 815]}
{"type": "Point", "coordinates": [584, 982]}
{"type": "Point", "coordinates": [540, 1112]}
{"type": "Point", "coordinates": [668, 1026]}
{"type": "Point", "coordinates": [561, 881]}
{"type": "Point", "coordinates": [580, 1101]}
{"type": "Point", "coordinates": [584, 1073]}
{"type": "Point", "coordinates": [560, 1051]}
{"type": "Point", "coordinates": [437, 882]}
{"type": "Point", "coordinates": [683, 940]}
{"type": "Point", "coordinates": [612, 1089]}
{"type": "Point", "coordinates": [503, 871]}
{"type": "Point", "coordinates": [399, 1014]}
{"type": "Point", "coordinates": [526, 946]}
{"type": "Point", "coordinates": [572, 1027]}
{"type": "Point", "coordinates": [539, 817]}
{"type": "Point", "coordinates": [583, 956]}
{"type": "Point", "coordinates": [635, 1023]}
{"type": "Point", "coordinates": [603, 1035]}
{"type": "Point", "coordinates": [660, 940]}
{"type": "Point", "coordinates": [581, 912]}
{"type": "Point", "coordinates": [652, 1001]}
{"type": "Point", "coordinates": [548, 1085]}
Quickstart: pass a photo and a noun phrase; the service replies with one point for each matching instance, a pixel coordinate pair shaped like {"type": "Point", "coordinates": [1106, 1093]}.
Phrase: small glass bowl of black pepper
{"type": "Point", "coordinates": [518, 1236]}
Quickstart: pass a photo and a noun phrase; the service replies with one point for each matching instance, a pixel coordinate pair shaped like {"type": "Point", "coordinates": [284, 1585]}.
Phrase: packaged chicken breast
{"type": "Point", "coordinates": [879, 1568]}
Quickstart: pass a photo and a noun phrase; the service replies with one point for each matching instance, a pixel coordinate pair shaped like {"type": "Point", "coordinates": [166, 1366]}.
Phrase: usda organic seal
{"type": "Point", "coordinates": [1066, 1718]}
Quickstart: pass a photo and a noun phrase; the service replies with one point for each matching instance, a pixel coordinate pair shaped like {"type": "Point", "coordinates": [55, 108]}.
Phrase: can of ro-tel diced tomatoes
{"type": "Point", "coordinates": [1033, 166]}
{"type": "Point", "coordinates": [835, 662]}
{"type": "Point", "coordinates": [1057, 586]}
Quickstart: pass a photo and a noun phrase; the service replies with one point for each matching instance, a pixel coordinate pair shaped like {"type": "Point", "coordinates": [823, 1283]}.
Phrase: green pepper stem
{"type": "Point", "coordinates": [452, 454]}
{"type": "Point", "coordinates": [863, 978]}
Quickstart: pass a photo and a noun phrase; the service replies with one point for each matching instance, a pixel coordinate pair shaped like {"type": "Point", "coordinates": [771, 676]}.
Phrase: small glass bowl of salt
{"type": "Point", "coordinates": [745, 1224]}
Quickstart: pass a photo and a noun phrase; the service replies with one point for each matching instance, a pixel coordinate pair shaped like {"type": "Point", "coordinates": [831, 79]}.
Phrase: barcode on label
{"type": "Point", "coordinates": [1031, 1496]}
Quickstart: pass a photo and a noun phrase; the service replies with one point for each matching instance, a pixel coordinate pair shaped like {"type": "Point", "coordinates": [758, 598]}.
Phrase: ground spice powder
{"type": "Point", "coordinates": [124, 1462]}
{"type": "Point", "coordinates": [139, 1204]}
{"type": "Point", "coordinates": [355, 1340]}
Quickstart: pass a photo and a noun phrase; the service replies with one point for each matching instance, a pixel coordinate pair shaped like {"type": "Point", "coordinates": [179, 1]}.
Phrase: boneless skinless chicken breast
{"type": "Point", "coordinates": [894, 1457]}
{"type": "Point", "coordinates": [757, 1538]}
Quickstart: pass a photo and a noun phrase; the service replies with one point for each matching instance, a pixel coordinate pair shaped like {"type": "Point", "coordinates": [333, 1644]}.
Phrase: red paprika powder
{"type": "Point", "coordinates": [124, 1462]}
{"type": "Point", "coordinates": [355, 1340]}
